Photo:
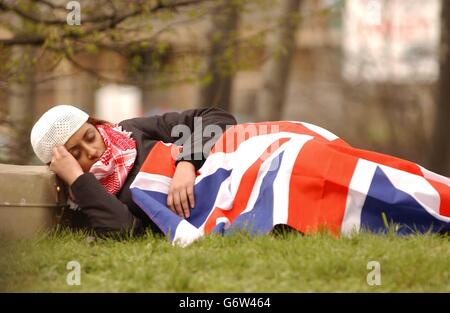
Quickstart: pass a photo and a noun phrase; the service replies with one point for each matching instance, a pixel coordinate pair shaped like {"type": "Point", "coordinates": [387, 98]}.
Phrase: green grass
{"type": "Point", "coordinates": [237, 263]}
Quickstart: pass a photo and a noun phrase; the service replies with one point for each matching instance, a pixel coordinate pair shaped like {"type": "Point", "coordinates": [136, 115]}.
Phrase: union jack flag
{"type": "Point", "coordinates": [259, 175]}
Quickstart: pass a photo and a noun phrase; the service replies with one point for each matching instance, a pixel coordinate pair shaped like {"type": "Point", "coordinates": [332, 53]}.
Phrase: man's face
{"type": "Point", "coordinates": [86, 146]}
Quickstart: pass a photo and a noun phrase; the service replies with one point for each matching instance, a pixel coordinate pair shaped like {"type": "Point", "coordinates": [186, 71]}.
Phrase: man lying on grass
{"type": "Point", "coordinates": [172, 174]}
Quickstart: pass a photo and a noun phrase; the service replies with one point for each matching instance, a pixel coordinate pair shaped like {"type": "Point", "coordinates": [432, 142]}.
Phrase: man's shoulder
{"type": "Point", "coordinates": [134, 123]}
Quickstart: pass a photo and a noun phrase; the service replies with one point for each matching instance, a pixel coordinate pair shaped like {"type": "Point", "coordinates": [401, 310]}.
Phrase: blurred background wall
{"type": "Point", "coordinates": [371, 71]}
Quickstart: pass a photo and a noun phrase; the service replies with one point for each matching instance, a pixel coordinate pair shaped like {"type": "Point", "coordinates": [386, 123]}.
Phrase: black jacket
{"type": "Point", "coordinates": [105, 213]}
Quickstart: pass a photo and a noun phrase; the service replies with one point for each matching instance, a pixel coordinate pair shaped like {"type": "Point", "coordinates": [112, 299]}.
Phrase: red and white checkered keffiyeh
{"type": "Point", "coordinates": [117, 160]}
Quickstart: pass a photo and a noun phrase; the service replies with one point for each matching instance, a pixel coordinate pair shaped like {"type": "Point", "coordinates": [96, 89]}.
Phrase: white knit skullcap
{"type": "Point", "coordinates": [54, 128]}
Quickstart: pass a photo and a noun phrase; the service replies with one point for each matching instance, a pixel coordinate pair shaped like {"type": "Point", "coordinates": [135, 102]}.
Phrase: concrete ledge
{"type": "Point", "coordinates": [31, 199]}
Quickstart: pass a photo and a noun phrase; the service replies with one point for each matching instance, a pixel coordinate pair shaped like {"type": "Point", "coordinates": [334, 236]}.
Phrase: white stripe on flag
{"type": "Point", "coordinates": [282, 181]}
{"type": "Point", "coordinates": [225, 196]}
{"type": "Point", "coordinates": [418, 188]}
{"type": "Point", "coordinates": [213, 163]}
{"type": "Point", "coordinates": [296, 140]}
{"type": "Point", "coordinates": [224, 201]}
{"type": "Point", "coordinates": [152, 182]}
{"type": "Point", "coordinates": [358, 189]}
{"type": "Point", "coordinates": [242, 162]}
{"type": "Point", "coordinates": [249, 151]}
{"type": "Point", "coordinates": [263, 170]}
{"type": "Point", "coordinates": [433, 176]}
{"type": "Point", "coordinates": [321, 131]}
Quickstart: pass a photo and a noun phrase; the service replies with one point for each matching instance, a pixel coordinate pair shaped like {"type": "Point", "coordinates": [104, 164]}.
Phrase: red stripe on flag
{"type": "Point", "coordinates": [156, 161]}
{"type": "Point", "coordinates": [403, 165]}
{"type": "Point", "coordinates": [245, 188]}
{"type": "Point", "coordinates": [444, 194]}
{"type": "Point", "coordinates": [380, 158]}
{"type": "Point", "coordinates": [318, 188]}
{"type": "Point", "coordinates": [211, 221]}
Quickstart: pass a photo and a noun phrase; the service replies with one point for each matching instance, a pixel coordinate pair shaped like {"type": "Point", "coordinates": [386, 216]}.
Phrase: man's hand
{"type": "Point", "coordinates": [181, 191]}
{"type": "Point", "coordinates": [64, 165]}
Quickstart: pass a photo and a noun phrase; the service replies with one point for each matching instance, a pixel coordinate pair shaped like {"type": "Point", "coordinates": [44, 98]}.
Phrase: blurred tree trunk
{"type": "Point", "coordinates": [440, 148]}
{"type": "Point", "coordinates": [21, 109]}
{"type": "Point", "coordinates": [275, 72]}
{"type": "Point", "coordinates": [217, 78]}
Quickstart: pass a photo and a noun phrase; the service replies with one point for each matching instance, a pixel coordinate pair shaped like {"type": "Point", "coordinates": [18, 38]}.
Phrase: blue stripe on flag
{"type": "Point", "coordinates": [154, 205]}
{"type": "Point", "coordinates": [260, 219]}
{"type": "Point", "coordinates": [205, 193]}
{"type": "Point", "coordinates": [399, 207]}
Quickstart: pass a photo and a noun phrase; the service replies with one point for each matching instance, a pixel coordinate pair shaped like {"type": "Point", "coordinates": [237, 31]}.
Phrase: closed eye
{"type": "Point", "coordinates": [75, 153]}
{"type": "Point", "coordinates": [89, 136]}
